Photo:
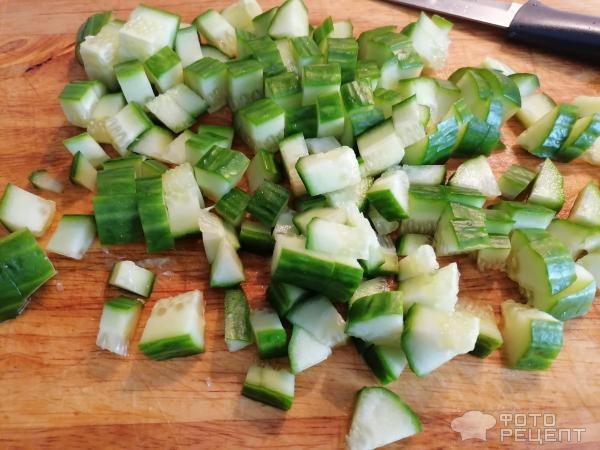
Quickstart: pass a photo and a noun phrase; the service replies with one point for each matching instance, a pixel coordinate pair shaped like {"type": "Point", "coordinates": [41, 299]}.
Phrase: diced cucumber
{"type": "Point", "coordinates": [330, 115]}
{"type": "Point", "coordinates": [232, 206]}
{"type": "Point", "coordinates": [420, 261]}
{"type": "Point", "coordinates": [438, 289]}
{"type": "Point", "coordinates": [146, 31]}
{"type": "Point", "coordinates": [174, 153]}
{"type": "Point", "coordinates": [431, 174]}
{"type": "Point", "coordinates": [283, 296]}
{"type": "Point", "coordinates": [119, 318]}
{"type": "Point", "coordinates": [318, 80]}
{"type": "Point", "coordinates": [263, 166]}
{"type": "Point", "coordinates": [489, 338]}
{"type": "Point", "coordinates": [526, 215]}
{"type": "Point", "coordinates": [240, 13]}
{"type": "Point", "coordinates": [108, 105]}
{"type": "Point", "coordinates": [515, 180]}
{"type": "Point", "coordinates": [170, 113]}
{"type": "Point", "coordinates": [42, 179]}
{"type": "Point", "coordinates": [164, 69]}
{"type": "Point", "coordinates": [100, 53]}
{"type": "Point", "coordinates": [380, 148]}
{"type": "Point", "coordinates": [381, 225]}
{"type": "Point", "coordinates": [408, 243]}
{"type": "Point", "coordinates": [532, 338]}
{"type": "Point", "coordinates": [128, 124]}
{"type": "Point", "coordinates": [134, 82]}
{"type": "Point", "coordinates": [534, 107]}
{"type": "Point", "coordinates": [586, 209]}
{"type": "Point", "coordinates": [153, 214]}
{"type": "Point", "coordinates": [573, 301]}
{"type": "Point", "coordinates": [238, 331]}
{"type": "Point", "coordinates": [377, 318]}
{"type": "Point", "coordinates": [175, 327]}
{"type": "Point", "coordinates": [269, 334]}
{"type": "Point", "coordinates": [380, 417]}
{"type": "Point", "coordinates": [476, 173]}
{"type": "Point", "coordinates": [214, 230]}
{"type": "Point", "coordinates": [319, 317]}
{"type": "Point", "coordinates": [326, 172]}
{"type": "Point", "coordinates": [153, 142]}
{"type": "Point", "coordinates": [261, 124]}
{"type": "Point", "coordinates": [540, 263]}
{"type": "Point", "coordinates": [244, 83]}
{"type": "Point", "coordinates": [25, 268]}
{"type": "Point", "coordinates": [389, 195]}
{"type": "Point", "coordinates": [430, 38]}
{"type": "Point", "coordinates": [219, 170]}
{"type": "Point", "coordinates": [305, 350]}
{"type": "Point", "coordinates": [460, 229]}
{"type": "Point", "coordinates": [183, 199]}
{"type": "Point", "coordinates": [90, 27]}
{"type": "Point", "coordinates": [284, 89]}
{"type": "Point", "coordinates": [584, 133]}
{"type": "Point", "coordinates": [270, 386]}
{"type": "Point", "coordinates": [226, 269]}
{"type": "Point", "coordinates": [198, 145]}
{"type": "Point", "coordinates": [527, 83]}
{"type": "Point", "coordinates": [386, 362]}
{"type": "Point", "coordinates": [22, 209]}
{"type": "Point", "coordinates": [545, 137]}
{"type": "Point", "coordinates": [187, 45]}
{"type": "Point", "coordinates": [290, 20]}
{"type": "Point", "coordinates": [548, 187]}
{"type": "Point", "coordinates": [83, 172]}
{"type": "Point", "coordinates": [217, 31]}
{"type": "Point", "coordinates": [293, 148]}
{"type": "Point", "coordinates": [591, 262]}
{"type": "Point", "coordinates": [78, 99]}
{"type": "Point", "coordinates": [90, 149]}
{"type": "Point", "coordinates": [73, 236]}
{"type": "Point", "coordinates": [208, 78]}
{"type": "Point", "coordinates": [268, 202]}
{"type": "Point", "coordinates": [495, 256]}
{"type": "Point", "coordinates": [353, 195]}
{"type": "Point", "coordinates": [576, 236]}
{"type": "Point", "coordinates": [337, 239]}
{"type": "Point", "coordinates": [433, 337]}
{"type": "Point", "coordinates": [131, 277]}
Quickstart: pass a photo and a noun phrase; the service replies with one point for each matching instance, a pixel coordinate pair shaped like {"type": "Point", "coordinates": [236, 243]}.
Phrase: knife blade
{"type": "Point", "coordinates": [530, 23]}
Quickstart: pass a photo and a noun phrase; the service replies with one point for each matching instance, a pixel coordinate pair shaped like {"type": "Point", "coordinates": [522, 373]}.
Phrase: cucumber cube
{"type": "Point", "coordinates": [25, 268]}
{"type": "Point", "coordinates": [92, 151]}
{"type": "Point", "coordinates": [330, 115]}
{"type": "Point", "coordinates": [208, 78]}
{"type": "Point", "coordinates": [269, 334]}
{"type": "Point", "coordinates": [284, 89]}
{"type": "Point", "coordinates": [126, 126]}
{"type": "Point", "coordinates": [134, 82]}
{"type": "Point", "coordinates": [146, 31]}
{"type": "Point", "coordinates": [305, 350]}
{"type": "Point", "coordinates": [219, 170]}
{"type": "Point", "coordinates": [187, 45]}
{"type": "Point", "coordinates": [532, 338]}
{"type": "Point", "coordinates": [175, 327]}
{"type": "Point", "coordinates": [380, 417]}
{"type": "Point", "coordinates": [131, 277]}
{"type": "Point", "coordinates": [263, 166]}
{"type": "Point", "coordinates": [217, 31]}
{"type": "Point", "coordinates": [268, 202]}
{"type": "Point", "coordinates": [119, 318]}
{"type": "Point", "coordinates": [183, 199]}
{"type": "Point", "coordinates": [389, 195]}
{"type": "Point", "coordinates": [377, 318]}
{"type": "Point", "coordinates": [270, 386]}
{"type": "Point", "coordinates": [319, 79]}
{"type": "Point", "coordinates": [100, 53]}
{"type": "Point", "coordinates": [238, 331]}
{"type": "Point", "coordinates": [21, 209]}
{"type": "Point", "coordinates": [164, 69]}
{"type": "Point", "coordinates": [78, 99]}
{"type": "Point", "coordinates": [244, 83]}
{"type": "Point", "coordinates": [261, 124]}
{"type": "Point", "coordinates": [73, 236]}
{"type": "Point", "coordinates": [326, 172]}
{"type": "Point", "coordinates": [319, 317]}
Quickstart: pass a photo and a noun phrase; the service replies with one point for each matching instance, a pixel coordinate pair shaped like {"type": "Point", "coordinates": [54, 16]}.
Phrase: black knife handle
{"type": "Point", "coordinates": [565, 32]}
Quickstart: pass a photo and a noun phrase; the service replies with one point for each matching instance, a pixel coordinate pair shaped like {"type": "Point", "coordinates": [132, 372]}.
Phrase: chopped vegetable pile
{"type": "Point", "coordinates": [341, 184]}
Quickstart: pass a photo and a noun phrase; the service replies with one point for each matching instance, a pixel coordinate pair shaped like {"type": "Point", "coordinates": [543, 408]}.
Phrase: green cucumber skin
{"type": "Point", "coordinates": [256, 238]}
{"type": "Point", "coordinates": [173, 347]}
{"type": "Point", "coordinates": [271, 343]}
{"type": "Point", "coordinates": [541, 357]}
{"type": "Point", "coordinates": [267, 203]}
{"type": "Point", "coordinates": [117, 219]}
{"type": "Point", "coordinates": [264, 395]}
{"type": "Point", "coordinates": [485, 345]}
{"type": "Point", "coordinates": [237, 317]}
{"type": "Point", "coordinates": [377, 364]}
{"type": "Point", "coordinates": [575, 305]}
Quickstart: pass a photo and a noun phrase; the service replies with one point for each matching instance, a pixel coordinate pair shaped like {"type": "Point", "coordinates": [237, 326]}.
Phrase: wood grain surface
{"type": "Point", "coordinates": [57, 390]}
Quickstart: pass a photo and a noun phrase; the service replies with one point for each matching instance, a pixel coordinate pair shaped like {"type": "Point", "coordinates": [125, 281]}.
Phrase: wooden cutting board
{"type": "Point", "coordinates": [57, 390]}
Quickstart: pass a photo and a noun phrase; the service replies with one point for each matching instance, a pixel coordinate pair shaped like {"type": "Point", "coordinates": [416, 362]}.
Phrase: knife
{"type": "Point", "coordinates": [531, 23]}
